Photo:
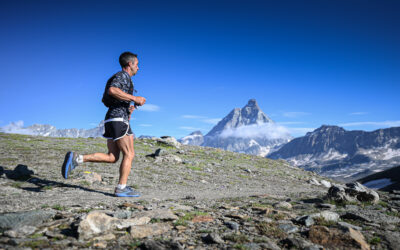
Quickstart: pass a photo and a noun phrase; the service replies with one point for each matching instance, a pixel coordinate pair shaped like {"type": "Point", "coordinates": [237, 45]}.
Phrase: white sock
{"type": "Point", "coordinates": [79, 159]}
{"type": "Point", "coordinates": [121, 186]}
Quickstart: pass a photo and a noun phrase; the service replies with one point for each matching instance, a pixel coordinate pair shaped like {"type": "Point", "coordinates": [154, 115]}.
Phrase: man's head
{"type": "Point", "coordinates": [129, 62]}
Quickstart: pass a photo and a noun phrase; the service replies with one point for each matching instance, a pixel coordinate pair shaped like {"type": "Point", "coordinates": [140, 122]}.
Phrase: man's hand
{"type": "Point", "coordinates": [131, 109]}
{"type": "Point", "coordinates": [139, 101]}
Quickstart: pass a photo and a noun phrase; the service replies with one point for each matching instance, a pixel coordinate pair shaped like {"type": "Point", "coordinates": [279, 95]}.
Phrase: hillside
{"type": "Point", "coordinates": [192, 196]}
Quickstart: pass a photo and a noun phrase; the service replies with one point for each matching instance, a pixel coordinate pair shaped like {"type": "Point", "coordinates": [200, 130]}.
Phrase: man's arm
{"type": "Point", "coordinates": [121, 95]}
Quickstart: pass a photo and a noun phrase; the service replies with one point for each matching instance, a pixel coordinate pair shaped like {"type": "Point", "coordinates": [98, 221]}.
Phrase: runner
{"type": "Point", "coordinates": [118, 95]}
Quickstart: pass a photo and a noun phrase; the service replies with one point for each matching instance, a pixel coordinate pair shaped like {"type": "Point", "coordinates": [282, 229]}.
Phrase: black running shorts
{"type": "Point", "coordinates": [116, 129]}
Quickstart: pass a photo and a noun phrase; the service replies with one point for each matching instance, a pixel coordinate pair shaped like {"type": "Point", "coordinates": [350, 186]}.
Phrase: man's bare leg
{"type": "Point", "coordinates": [126, 145]}
{"type": "Point", "coordinates": [111, 157]}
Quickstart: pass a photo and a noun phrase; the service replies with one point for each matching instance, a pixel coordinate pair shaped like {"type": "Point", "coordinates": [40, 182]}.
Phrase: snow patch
{"type": "Point", "coordinates": [377, 184]}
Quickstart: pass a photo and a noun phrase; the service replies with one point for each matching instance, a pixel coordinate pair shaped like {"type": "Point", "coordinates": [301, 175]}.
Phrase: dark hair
{"type": "Point", "coordinates": [125, 58]}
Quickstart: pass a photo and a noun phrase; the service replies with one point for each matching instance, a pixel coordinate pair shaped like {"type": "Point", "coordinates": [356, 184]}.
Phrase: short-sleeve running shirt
{"type": "Point", "coordinates": [118, 108]}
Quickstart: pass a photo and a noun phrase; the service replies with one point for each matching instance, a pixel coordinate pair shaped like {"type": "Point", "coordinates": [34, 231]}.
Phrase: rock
{"type": "Point", "coordinates": [313, 181]}
{"type": "Point", "coordinates": [232, 225]}
{"type": "Point", "coordinates": [345, 224]}
{"type": "Point", "coordinates": [91, 177]}
{"type": "Point", "coordinates": [160, 152]}
{"type": "Point", "coordinates": [121, 224]}
{"type": "Point", "coordinates": [100, 244]}
{"type": "Point", "coordinates": [343, 238]}
{"type": "Point", "coordinates": [288, 228]}
{"type": "Point", "coordinates": [393, 238]}
{"type": "Point", "coordinates": [160, 245]}
{"type": "Point", "coordinates": [354, 216]}
{"type": "Point", "coordinates": [190, 197]}
{"type": "Point", "coordinates": [142, 231]}
{"type": "Point", "coordinates": [298, 243]}
{"type": "Point", "coordinates": [158, 214]}
{"type": "Point", "coordinates": [305, 220]}
{"type": "Point", "coordinates": [122, 214]}
{"type": "Point", "coordinates": [212, 238]}
{"type": "Point", "coordinates": [29, 218]}
{"type": "Point", "coordinates": [269, 244]}
{"type": "Point", "coordinates": [283, 204]}
{"type": "Point", "coordinates": [95, 223]}
{"type": "Point", "coordinates": [20, 172]}
{"type": "Point", "coordinates": [127, 204]}
{"type": "Point", "coordinates": [1, 171]}
{"type": "Point", "coordinates": [327, 215]}
{"type": "Point", "coordinates": [177, 206]}
{"type": "Point", "coordinates": [362, 193]}
{"type": "Point", "coordinates": [352, 192]}
{"type": "Point", "coordinates": [202, 218]}
{"type": "Point", "coordinates": [20, 232]}
{"type": "Point", "coordinates": [325, 206]}
{"type": "Point", "coordinates": [326, 183]}
{"type": "Point", "coordinates": [168, 159]}
{"type": "Point", "coordinates": [105, 237]}
{"type": "Point", "coordinates": [169, 141]}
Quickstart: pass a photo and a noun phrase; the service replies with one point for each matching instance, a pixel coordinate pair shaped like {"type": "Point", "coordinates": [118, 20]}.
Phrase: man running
{"type": "Point", "coordinates": [118, 95]}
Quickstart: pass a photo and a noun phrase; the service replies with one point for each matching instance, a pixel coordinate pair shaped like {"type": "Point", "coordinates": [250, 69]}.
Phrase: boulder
{"type": "Point", "coordinates": [142, 231]}
{"type": "Point", "coordinates": [352, 192]}
{"type": "Point", "coordinates": [96, 223]}
{"type": "Point", "coordinates": [20, 219]}
{"type": "Point", "coordinates": [160, 152]}
{"type": "Point", "coordinates": [169, 141]}
{"type": "Point", "coordinates": [212, 238]}
{"type": "Point", "coordinates": [334, 238]}
{"type": "Point", "coordinates": [158, 214]}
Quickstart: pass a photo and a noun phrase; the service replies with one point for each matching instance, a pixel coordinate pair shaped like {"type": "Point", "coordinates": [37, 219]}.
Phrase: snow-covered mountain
{"type": "Point", "coordinates": [48, 130]}
{"type": "Point", "coordinates": [196, 138]}
{"type": "Point", "coordinates": [246, 130]}
{"type": "Point", "coordinates": [347, 155]}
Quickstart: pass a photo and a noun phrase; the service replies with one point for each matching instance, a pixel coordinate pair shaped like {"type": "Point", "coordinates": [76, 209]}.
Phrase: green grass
{"type": "Point", "coordinates": [270, 229]}
{"type": "Point", "coordinates": [58, 207]}
{"type": "Point", "coordinates": [195, 168]}
{"type": "Point", "coordinates": [182, 221]}
{"type": "Point", "coordinates": [375, 241]}
{"type": "Point", "coordinates": [237, 238]}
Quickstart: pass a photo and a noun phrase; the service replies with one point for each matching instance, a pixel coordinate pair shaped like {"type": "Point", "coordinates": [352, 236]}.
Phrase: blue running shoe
{"type": "Point", "coordinates": [69, 164]}
{"type": "Point", "coordinates": [126, 192]}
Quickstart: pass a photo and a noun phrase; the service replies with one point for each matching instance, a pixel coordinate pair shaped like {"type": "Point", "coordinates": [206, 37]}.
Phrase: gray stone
{"type": "Point", "coordinates": [212, 238]}
{"type": "Point", "coordinates": [327, 215]}
{"type": "Point", "coordinates": [288, 228]}
{"type": "Point", "coordinates": [393, 238]}
{"type": "Point", "coordinates": [142, 231]}
{"type": "Point", "coordinates": [283, 204]}
{"type": "Point", "coordinates": [326, 183]}
{"type": "Point", "coordinates": [353, 216]}
{"type": "Point", "coordinates": [352, 192]}
{"type": "Point", "coordinates": [20, 232]}
{"type": "Point", "coordinates": [160, 245]}
{"type": "Point", "coordinates": [160, 214]}
{"type": "Point", "coordinates": [29, 218]}
{"type": "Point", "coordinates": [345, 224]}
{"type": "Point", "coordinates": [232, 225]}
{"type": "Point", "coordinates": [313, 181]}
{"type": "Point", "coordinates": [160, 152]}
{"type": "Point", "coordinates": [326, 206]}
{"type": "Point", "coordinates": [298, 243]}
{"type": "Point", "coordinates": [305, 220]}
{"type": "Point", "coordinates": [122, 214]}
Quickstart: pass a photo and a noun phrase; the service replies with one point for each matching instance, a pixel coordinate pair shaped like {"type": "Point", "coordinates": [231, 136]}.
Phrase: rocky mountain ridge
{"type": "Point", "coordinates": [335, 152]}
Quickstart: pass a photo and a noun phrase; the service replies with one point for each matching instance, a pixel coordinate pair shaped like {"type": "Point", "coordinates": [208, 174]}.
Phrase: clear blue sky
{"type": "Point", "coordinates": [307, 63]}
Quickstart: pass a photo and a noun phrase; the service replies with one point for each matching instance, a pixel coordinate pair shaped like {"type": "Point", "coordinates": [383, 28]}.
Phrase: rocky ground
{"type": "Point", "coordinates": [192, 197]}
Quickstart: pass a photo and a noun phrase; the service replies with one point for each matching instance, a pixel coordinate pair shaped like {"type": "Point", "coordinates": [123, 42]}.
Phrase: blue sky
{"type": "Point", "coordinates": [307, 63]}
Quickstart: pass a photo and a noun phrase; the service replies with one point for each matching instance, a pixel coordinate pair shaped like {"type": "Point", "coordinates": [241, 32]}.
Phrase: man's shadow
{"type": "Point", "coordinates": [23, 173]}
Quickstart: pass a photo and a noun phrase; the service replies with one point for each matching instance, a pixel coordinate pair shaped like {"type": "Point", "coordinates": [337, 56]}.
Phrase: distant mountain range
{"type": "Point", "coordinates": [246, 130]}
{"type": "Point", "coordinates": [51, 131]}
{"type": "Point", "coordinates": [345, 155]}
{"type": "Point", "coordinates": [387, 180]}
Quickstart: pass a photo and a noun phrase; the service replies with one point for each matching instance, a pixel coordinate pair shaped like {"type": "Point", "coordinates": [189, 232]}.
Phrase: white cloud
{"type": "Point", "coordinates": [193, 117]}
{"type": "Point", "coordinates": [295, 114]}
{"type": "Point", "coordinates": [149, 108]}
{"type": "Point", "coordinates": [377, 124]}
{"type": "Point", "coordinates": [212, 120]}
{"type": "Point", "coordinates": [268, 130]}
{"type": "Point", "coordinates": [16, 128]}
{"type": "Point", "coordinates": [358, 113]}
{"type": "Point", "coordinates": [145, 125]}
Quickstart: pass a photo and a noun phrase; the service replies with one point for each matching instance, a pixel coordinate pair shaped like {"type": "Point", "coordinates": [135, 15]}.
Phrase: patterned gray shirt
{"type": "Point", "coordinates": [118, 108]}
